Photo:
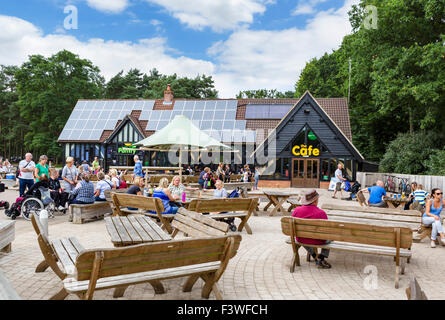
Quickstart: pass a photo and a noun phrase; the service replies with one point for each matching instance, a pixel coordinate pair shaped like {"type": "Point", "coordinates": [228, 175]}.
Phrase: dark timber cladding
{"type": "Point", "coordinates": [305, 128]}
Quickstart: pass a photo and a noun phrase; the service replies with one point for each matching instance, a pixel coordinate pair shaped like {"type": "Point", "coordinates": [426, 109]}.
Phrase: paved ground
{"type": "Point", "coordinates": [259, 271]}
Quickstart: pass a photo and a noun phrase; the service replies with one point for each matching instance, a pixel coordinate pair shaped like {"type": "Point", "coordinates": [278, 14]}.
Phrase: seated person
{"type": "Point", "coordinates": [84, 193]}
{"type": "Point", "coordinates": [60, 197]}
{"type": "Point", "coordinates": [434, 207]}
{"type": "Point", "coordinates": [101, 186]}
{"type": "Point", "coordinates": [138, 186]}
{"type": "Point", "coordinates": [309, 210]}
{"type": "Point", "coordinates": [411, 196]}
{"type": "Point", "coordinates": [376, 195]}
{"type": "Point", "coordinates": [420, 195]}
{"type": "Point", "coordinates": [34, 190]}
{"type": "Point", "coordinates": [162, 192]}
{"type": "Point", "coordinates": [177, 188]}
{"type": "Point", "coordinates": [220, 192]}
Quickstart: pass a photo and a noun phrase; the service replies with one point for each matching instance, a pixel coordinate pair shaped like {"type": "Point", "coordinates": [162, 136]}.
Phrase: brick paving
{"type": "Point", "coordinates": [260, 270]}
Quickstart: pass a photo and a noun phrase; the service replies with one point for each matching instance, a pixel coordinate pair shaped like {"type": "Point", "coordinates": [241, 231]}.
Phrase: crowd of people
{"type": "Point", "coordinates": [207, 178]}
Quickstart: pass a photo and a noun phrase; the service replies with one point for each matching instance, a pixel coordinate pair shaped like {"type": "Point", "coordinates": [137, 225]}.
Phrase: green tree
{"type": "Point", "coordinates": [48, 89]}
{"type": "Point", "coordinates": [435, 165]}
{"type": "Point", "coordinates": [201, 87]}
{"type": "Point", "coordinates": [265, 94]}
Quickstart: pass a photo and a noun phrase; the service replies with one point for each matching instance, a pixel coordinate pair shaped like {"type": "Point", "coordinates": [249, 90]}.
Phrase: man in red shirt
{"type": "Point", "coordinates": [309, 210]}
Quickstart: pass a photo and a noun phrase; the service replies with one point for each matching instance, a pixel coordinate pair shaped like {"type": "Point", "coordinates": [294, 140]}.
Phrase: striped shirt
{"type": "Point", "coordinates": [419, 196]}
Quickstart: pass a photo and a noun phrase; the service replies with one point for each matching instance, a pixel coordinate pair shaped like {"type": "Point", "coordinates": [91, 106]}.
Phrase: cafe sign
{"type": "Point", "coordinates": [128, 149]}
{"type": "Point", "coordinates": [305, 151]}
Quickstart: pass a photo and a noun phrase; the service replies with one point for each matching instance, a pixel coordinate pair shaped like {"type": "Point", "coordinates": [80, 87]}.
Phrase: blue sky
{"type": "Point", "coordinates": [243, 44]}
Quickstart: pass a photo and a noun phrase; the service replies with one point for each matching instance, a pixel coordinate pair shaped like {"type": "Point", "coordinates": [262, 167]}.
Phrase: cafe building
{"type": "Point", "coordinates": [304, 139]}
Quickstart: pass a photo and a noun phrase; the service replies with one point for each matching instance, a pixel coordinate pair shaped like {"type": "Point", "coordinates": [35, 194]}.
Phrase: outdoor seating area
{"type": "Point", "coordinates": [90, 267]}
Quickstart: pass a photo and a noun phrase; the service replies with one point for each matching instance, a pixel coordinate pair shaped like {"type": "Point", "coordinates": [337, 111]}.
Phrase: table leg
{"type": "Point", "coordinates": [269, 204]}
{"type": "Point", "coordinates": [390, 204]}
{"type": "Point", "coordinates": [278, 207]}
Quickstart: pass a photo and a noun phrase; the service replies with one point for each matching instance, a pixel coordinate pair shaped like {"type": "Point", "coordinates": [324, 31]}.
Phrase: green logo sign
{"type": "Point", "coordinates": [127, 150]}
{"type": "Point", "coordinates": [311, 136]}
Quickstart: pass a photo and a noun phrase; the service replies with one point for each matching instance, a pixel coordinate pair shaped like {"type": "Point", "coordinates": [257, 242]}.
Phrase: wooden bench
{"type": "Point", "coordinates": [83, 213]}
{"type": "Point", "coordinates": [350, 237]}
{"type": "Point", "coordinates": [197, 225]}
{"type": "Point", "coordinates": [247, 206]}
{"type": "Point", "coordinates": [414, 292]}
{"type": "Point", "coordinates": [381, 216]}
{"type": "Point", "coordinates": [7, 291]}
{"type": "Point", "coordinates": [109, 199]}
{"type": "Point", "coordinates": [123, 201]}
{"type": "Point", "coordinates": [119, 268]}
{"type": "Point", "coordinates": [60, 254]}
{"type": "Point", "coordinates": [7, 235]}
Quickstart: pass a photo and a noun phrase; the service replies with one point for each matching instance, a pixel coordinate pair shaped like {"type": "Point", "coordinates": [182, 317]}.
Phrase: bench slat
{"type": "Point", "coordinates": [74, 286]}
{"type": "Point", "coordinates": [228, 215]}
{"type": "Point", "coordinates": [331, 206]}
{"type": "Point", "coordinates": [207, 230]}
{"type": "Point", "coordinates": [380, 223]}
{"type": "Point", "coordinates": [137, 226]}
{"type": "Point", "coordinates": [363, 248]}
{"type": "Point", "coordinates": [114, 234]}
{"type": "Point", "coordinates": [205, 220]}
{"type": "Point", "coordinates": [148, 228]}
{"type": "Point", "coordinates": [76, 244]}
{"type": "Point", "coordinates": [135, 238]}
{"type": "Point", "coordinates": [63, 256]}
{"type": "Point", "coordinates": [375, 216]}
{"type": "Point", "coordinates": [188, 230]}
{"type": "Point", "coordinates": [125, 237]}
{"type": "Point", "coordinates": [69, 248]}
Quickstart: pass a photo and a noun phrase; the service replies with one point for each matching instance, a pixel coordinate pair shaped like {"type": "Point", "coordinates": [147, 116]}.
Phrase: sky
{"type": "Point", "coordinates": [242, 44]}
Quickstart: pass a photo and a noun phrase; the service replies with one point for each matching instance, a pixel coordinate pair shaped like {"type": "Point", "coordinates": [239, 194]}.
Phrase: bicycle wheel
{"type": "Point", "coordinates": [31, 206]}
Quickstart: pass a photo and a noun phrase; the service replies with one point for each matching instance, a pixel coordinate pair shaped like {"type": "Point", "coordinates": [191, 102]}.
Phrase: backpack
{"type": "Point", "coordinates": [234, 194]}
{"type": "Point", "coordinates": [45, 196]}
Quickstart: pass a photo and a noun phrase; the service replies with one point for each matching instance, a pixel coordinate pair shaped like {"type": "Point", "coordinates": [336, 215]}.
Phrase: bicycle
{"type": "Point", "coordinates": [390, 183]}
{"type": "Point", "coordinates": [404, 186]}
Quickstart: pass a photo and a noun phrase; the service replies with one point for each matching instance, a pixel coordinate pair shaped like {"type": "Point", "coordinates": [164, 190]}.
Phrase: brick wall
{"type": "Point", "coordinates": [273, 184]}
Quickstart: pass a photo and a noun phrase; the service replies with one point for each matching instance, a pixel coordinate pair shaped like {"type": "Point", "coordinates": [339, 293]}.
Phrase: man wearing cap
{"type": "Point", "coordinates": [309, 210]}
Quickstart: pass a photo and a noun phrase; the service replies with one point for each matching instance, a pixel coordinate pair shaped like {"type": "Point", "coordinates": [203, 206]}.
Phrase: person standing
{"type": "Point", "coordinates": [96, 165]}
{"type": "Point", "coordinates": [431, 217]}
{"type": "Point", "coordinates": [257, 178]}
{"type": "Point", "coordinates": [41, 168]}
{"type": "Point", "coordinates": [138, 172]}
{"type": "Point", "coordinates": [220, 172]}
{"type": "Point", "coordinates": [339, 180]}
{"type": "Point", "coordinates": [227, 173]}
{"type": "Point", "coordinates": [26, 175]}
{"type": "Point", "coordinates": [86, 167]}
{"type": "Point", "coordinates": [69, 175]}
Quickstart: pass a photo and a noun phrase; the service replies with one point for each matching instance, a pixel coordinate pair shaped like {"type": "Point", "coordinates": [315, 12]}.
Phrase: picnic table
{"type": "Point", "coordinates": [277, 199]}
{"type": "Point", "coordinates": [394, 203]}
{"type": "Point", "coordinates": [131, 230]}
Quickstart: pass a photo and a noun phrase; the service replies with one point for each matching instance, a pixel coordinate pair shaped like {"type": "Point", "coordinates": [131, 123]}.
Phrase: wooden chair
{"type": "Point", "coordinates": [414, 292]}
{"type": "Point", "coordinates": [246, 206]}
{"type": "Point", "coordinates": [123, 201]}
{"type": "Point", "coordinates": [197, 225]}
{"type": "Point", "coordinates": [119, 268]}
{"type": "Point", "coordinates": [351, 237]}
{"type": "Point", "coordinates": [60, 254]}
{"type": "Point", "coordinates": [108, 193]}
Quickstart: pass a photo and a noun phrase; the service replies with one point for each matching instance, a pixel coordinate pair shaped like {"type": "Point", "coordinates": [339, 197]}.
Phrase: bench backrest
{"type": "Point", "coordinates": [222, 205]}
{"type": "Point", "coordinates": [347, 232]}
{"type": "Point", "coordinates": [100, 263]}
{"type": "Point", "coordinates": [140, 202]}
{"type": "Point", "coordinates": [197, 225]}
{"type": "Point", "coordinates": [154, 179]}
{"type": "Point", "coordinates": [109, 192]}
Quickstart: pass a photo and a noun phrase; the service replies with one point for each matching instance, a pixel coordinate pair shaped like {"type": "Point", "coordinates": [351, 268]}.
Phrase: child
{"type": "Point", "coordinates": [420, 195]}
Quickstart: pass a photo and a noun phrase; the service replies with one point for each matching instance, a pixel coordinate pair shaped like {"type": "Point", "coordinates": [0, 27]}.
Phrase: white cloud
{"type": "Point", "coordinates": [20, 39]}
{"type": "Point", "coordinates": [274, 59]}
{"type": "Point", "coordinates": [248, 59]}
{"type": "Point", "coordinates": [219, 15]}
{"type": "Point", "coordinates": [306, 7]}
{"type": "Point", "coordinates": [109, 6]}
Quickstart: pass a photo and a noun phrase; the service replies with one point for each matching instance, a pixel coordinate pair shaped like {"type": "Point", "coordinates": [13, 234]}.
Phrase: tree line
{"type": "Point", "coordinates": [396, 103]}
{"type": "Point", "coordinates": [37, 98]}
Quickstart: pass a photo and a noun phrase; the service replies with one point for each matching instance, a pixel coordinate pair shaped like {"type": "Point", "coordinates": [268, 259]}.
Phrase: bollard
{"type": "Point", "coordinates": [43, 217]}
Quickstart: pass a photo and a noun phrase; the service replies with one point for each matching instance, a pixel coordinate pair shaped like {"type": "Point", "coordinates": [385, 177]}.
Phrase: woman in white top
{"type": "Point", "coordinates": [101, 186]}
{"type": "Point", "coordinates": [114, 179]}
{"type": "Point", "coordinates": [69, 175]}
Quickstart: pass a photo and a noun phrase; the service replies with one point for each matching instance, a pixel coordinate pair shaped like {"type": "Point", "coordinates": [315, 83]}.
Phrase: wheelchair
{"type": "Point", "coordinates": [33, 204]}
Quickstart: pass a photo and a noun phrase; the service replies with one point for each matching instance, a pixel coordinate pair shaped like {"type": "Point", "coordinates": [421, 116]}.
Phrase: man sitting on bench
{"type": "Point", "coordinates": [309, 210]}
{"type": "Point", "coordinates": [375, 195]}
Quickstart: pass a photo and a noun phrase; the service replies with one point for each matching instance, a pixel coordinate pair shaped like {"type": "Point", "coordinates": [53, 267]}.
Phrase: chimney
{"type": "Point", "coordinates": [168, 95]}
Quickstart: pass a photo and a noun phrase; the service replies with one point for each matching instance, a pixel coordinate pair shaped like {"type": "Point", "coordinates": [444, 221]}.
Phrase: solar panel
{"type": "Point", "coordinates": [85, 115]}
{"type": "Point", "coordinates": [240, 124]}
{"type": "Point", "coordinates": [65, 134]}
{"type": "Point", "coordinates": [70, 124]}
{"type": "Point", "coordinates": [80, 124]}
{"type": "Point", "coordinates": [199, 105]}
{"type": "Point", "coordinates": [232, 104]}
{"type": "Point", "coordinates": [100, 124]}
{"type": "Point", "coordinates": [75, 135]}
{"type": "Point", "coordinates": [95, 135]}
{"type": "Point", "coordinates": [208, 115]}
{"type": "Point", "coordinates": [230, 115]}
{"type": "Point", "coordinates": [279, 111]}
{"type": "Point", "coordinates": [210, 105]}
{"type": "Point", "coordinates": [238, 136]}
{"type": "Point", "coordinates": [229, 125]}
{"type": "Point", "coordinates": [111, 124]}
{"type": "Point", "coordinates": [250, 136]}
{"type": "Point", "coordinates": [145, 115]}
{"type": "Point", "coordinates": [118, 105]}
{"type": "Point", "coordinates": [221, 105]}
{"type": "Point", "coordinates": [219, 115]}
{"type": "Point", "coordinates": [98, 105]}
{"type": "Point", "coordinates": [161, 125]}
{"type": "Point", "coordinates": [84, 135]}
{"type": "Point", "coordinates": [155, 115]}
{"type": "Point", "coordinates": [179, 105]}
{"type": "Point", "coordinates": [226, 136]}
{"type": "Point", "coordinates": [109, 105]}
{"type": "Point", "coordinates": [148, 105]}
{"type": "Point", "coordinates": [257, 111]}
{"type": "Point", "coordinates": [152, 125]}
{"type": "Point", "coordinates": [189, 105]}
{"type": "Point", "coordinates": [165, 115]}
{"type": "Point", "coordinates": [90, 124]}
{"type": "Point", "coordinates": [197, 115]}
{"type": "Point", "coordinates": [206, 125]}
{"type": "Point", "coordinates": [217, 125]}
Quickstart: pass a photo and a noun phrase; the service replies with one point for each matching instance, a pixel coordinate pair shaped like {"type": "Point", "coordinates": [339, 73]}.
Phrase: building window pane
{"type": "Point", "coordinates": [325, 169]}
{"type": "Point", "coordinates": [332, 167]}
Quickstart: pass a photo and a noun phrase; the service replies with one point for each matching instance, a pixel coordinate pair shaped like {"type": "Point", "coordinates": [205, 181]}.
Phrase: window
{"type": "Point", "coordinates": [325, 169]}
{"type": "Point", "coordinates": [307, 137]}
